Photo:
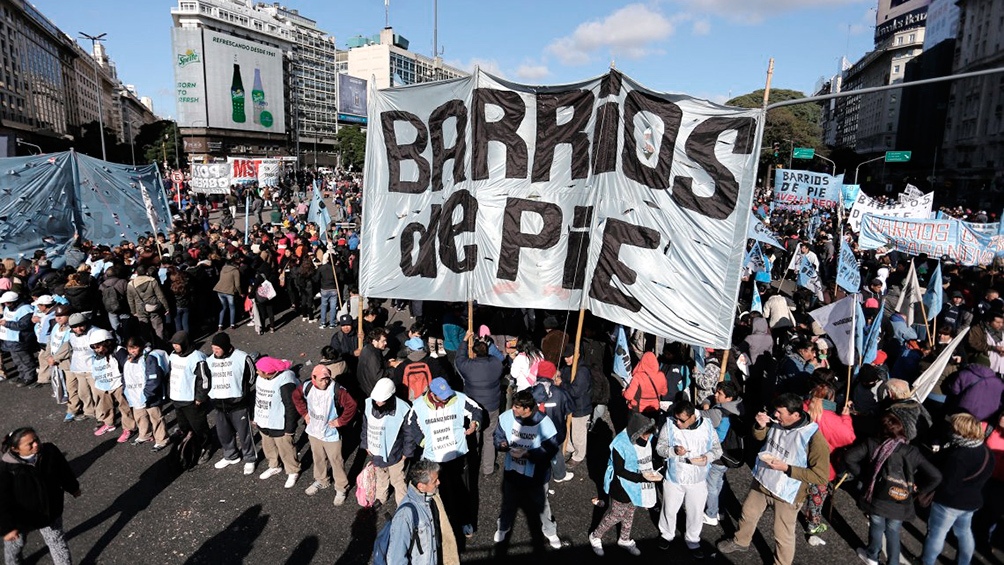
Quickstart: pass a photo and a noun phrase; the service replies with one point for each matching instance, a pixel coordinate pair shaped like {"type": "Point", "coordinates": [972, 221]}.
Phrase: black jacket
{"type": "Point", "coordinates": [580, 392]}
{"type": "Point", "coordinates": [372, 368]}
{"type": "Point", "coordinates": [906, 462]}
{"type": "Point", "coordinates": [482, 378]}
{"type": "Point", "coordinates": [31, 496]}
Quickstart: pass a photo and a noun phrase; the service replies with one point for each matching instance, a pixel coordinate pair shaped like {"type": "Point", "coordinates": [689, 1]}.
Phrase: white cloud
{"type": "Point", "coordinates": [701, 27]}
{"type": "Point", "coordinates": [755, 11]}
{"type": "Point", "coordinates": [865, 24]}
{"type": "Point", "coordinates": [629, 32]}
{"type": "Point", "coordinates": [530, 71]}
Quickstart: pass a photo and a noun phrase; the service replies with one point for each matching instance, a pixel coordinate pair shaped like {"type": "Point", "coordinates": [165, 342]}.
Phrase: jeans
{"type": "Point", "coordinates": [181, 319]}
{"type": "Point", "coordinates": [880, 525]}
{"type": "Point", "coordinates": [716, 480]}
{"type": "Point", "coordinates": [120, 325]}
{"type": "Point", "coordinates": [942, 519]}
{"type": "Point", "coordinates": [329, 306]}
{"type": "Point", "coordinates": [558, 467]}
{"type": "Point", "coordinates": [226, 303]}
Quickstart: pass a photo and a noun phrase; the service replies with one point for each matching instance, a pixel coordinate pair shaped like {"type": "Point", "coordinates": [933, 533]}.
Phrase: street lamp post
{"type": "Point", "coordinates": [834, 173]}
{"type": "Point", "coordinates": [858, 168]}
{"type": "Point", "coordinates": [97, 84]}
{"type": "Point", "coordinates": [23, 142]}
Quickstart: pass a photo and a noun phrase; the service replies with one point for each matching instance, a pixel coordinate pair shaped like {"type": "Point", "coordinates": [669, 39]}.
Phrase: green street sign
{"type": "Point", "coordinates": [803, 153]}
{"type": "Point", "coordinates": [897, 156]}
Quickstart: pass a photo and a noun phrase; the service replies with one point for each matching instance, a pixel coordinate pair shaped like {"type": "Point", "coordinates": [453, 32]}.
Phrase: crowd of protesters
{"type": "Point", "coordinates": [452, 399]}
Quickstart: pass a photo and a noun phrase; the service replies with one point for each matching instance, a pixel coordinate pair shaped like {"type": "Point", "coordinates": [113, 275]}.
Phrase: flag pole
{"type": "Point", "coordinates": [853, 357]}
{"type": "Point", "coordinates": [359, 323]}
{"type": "Point", "coordinates": [470, 324]}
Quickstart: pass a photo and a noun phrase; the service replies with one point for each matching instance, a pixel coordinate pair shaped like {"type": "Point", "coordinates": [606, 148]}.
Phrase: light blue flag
{"type": "Point", "coordinates": [810, 230]}
{"type": "Point", "coordinates": [756, 305]}
{"type": "Point", "coordinates": [760, 232]}
{"type": "Point", "coordinates": [933, 295]}
{"type": "Point", "coordinates": [764, 275]}
{"type": "Point", "coordinates": [753, 263]}
{"type": "Point", "coordinates": [622, 356]}
{"type": "Point", "coordinates": [848, 272]}
{"type": "Point", "coordinates": [872, 338]}
{"type": "Point", "coordinates": [809, 278]}
{"type": "Point", "coordinates": [318, 212]}
{"type": "Point", "coordinates": [850, 194]}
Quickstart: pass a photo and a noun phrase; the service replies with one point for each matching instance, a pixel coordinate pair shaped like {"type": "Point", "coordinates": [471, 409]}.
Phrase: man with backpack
{"type": "Point", "coordinates": [725, 416]}
{"type": "Point", "coordinates": [325, 407]}
{"type": "Point", "coordinates": [412, 536]}
{"type": "Point", "coordinates": [114, 289]}
{"type": "Point", "coordinates": [232, 376]}
{"type": "Point", "coordinates": [417, 370]}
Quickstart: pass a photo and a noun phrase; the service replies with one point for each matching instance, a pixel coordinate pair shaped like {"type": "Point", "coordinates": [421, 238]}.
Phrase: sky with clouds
{"type": "Point", "coordinates": [712, 49]}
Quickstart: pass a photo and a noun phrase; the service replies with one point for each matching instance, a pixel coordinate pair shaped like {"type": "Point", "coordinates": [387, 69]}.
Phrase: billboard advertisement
{"type": "Point", "coordinates": [189, 77]}
{"type": "Point", "coordinates": [243, 88]}
{"type": "Point", "coordinates": [351, 95]}
{"type": "Point", "coordinates": [898, 15]}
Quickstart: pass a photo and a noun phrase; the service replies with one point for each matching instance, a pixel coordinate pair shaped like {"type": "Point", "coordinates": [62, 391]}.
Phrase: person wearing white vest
{"type": "Point", "coordinates": [44, 320]}
{"type": "Point", "coordinates": [629, 480]}
{"type": "Point", "coordinates": [16, 337]}
{"type": "Point", "coordinates": [529, 440]}
{"type": "Point", "coordinates": [57, 350]}
{"type": "Point", "coordinates": [689, 443]}
{"type": "Point", "coordinates": [276, 417]}
{"type": "Point", "coordinates": [107, 384]}
{"type": "Point", "coordinates": [383, 439]}
{"type": "Point", "coordinates": [144, 373]}
{"type": "Point", "coordinates": [325, 407]}
{"type": "Point", "coordinates": [232, 377]}
{"type": "Point", "coordinates": [438, 425]}
{"type": "Point", "coordinates": [188, 387]}
{"type": "Point", "coordinates": [80, 404]}
{"type": "Point", "coordinates": [794, 456]}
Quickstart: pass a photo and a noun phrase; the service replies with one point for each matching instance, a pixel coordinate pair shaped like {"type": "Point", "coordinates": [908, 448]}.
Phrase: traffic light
{"type": "Point", "coordinates": [777, 149]}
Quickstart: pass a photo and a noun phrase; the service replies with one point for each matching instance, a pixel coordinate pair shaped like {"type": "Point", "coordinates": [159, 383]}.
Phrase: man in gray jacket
{"type": "Point", "coordinates": [414, 538]}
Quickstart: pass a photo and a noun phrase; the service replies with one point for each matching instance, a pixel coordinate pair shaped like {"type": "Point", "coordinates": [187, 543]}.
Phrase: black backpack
{"type": "Point", "coordinates": [112, 300]}
{"type": "Point", "coordinates": [733, 446]}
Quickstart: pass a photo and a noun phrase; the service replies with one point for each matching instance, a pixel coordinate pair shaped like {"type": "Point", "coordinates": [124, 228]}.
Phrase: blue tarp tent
{"type": "Point", "coordinates": [45, 199]}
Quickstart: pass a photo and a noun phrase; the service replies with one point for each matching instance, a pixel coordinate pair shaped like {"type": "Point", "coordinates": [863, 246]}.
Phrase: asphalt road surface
{"type": "Point", "coordinates": [135, 509]}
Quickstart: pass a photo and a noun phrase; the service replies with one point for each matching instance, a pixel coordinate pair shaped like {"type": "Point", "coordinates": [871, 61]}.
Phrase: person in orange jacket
{"type": "Point", "coordinates": [648, 385]}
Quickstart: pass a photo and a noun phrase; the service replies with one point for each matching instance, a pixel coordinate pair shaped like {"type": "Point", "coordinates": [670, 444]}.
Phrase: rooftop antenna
{"type": "Point", "coordinates": [386, 13]}
{"type": "Point", "coordinates": [435, 28]}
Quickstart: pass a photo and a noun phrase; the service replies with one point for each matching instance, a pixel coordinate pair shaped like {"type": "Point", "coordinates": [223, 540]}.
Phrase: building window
{"type": "Point", "coordinates": [895, 69]}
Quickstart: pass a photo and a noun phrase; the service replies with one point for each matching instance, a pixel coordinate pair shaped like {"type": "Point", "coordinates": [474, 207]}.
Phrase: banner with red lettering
{"type": "Point", "coordinates": [602, 195]}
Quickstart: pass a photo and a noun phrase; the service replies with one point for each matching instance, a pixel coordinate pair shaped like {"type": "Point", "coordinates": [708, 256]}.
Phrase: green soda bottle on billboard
{"type": "Point", "coordinates": [258, 96]}
{"type": "Point", "coordinates": [237, 94]}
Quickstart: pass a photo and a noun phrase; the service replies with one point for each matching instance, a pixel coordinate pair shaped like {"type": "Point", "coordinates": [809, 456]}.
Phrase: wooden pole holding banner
{"type": "Point", "coordinates": [359, 324]}
{"type": "Point", "coordinates": [571, 379]}
{"type": "Point", "coordinates": [470, 324]}
{"type": "Point", "coordinates": [725, 362]}
{"type": "Point", "coordinates": [334, 274]}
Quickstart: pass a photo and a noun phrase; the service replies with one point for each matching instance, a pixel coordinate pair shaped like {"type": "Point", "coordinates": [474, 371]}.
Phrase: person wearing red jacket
{"type": "Point", "coordinates": [648, 385]}
{"type": "Point", "coordinates": [838, 431]}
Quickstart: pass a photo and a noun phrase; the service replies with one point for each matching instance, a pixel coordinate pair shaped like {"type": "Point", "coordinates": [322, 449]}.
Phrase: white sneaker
{"type": "Point", "coordinates": [248, 468]}
{"type": "Point", "coordinates": [269, 473]}
{"type": "Point", "coordinates": [710, 521]}
{"type": "Point", "coordinates": [554, 540]}
{"type": "Point", "coordinates": [291, 480]}
{"type": "Point", "coordinates": [340, 497]}
{"type": "Point", "coordinates": [314, 488]}
{"type": "Point", "coordinates": [224, 463]}
{"type": "Point", "coordinates": [863, 556]}
{"type": "Point", "coordinates": [500, 535]}
{"type": "Point", "coordinates": [631, 547]}
{"type": "Point", "coordinates": [568, 477]}
{"type": "Point", "coordinates": [597, 544]}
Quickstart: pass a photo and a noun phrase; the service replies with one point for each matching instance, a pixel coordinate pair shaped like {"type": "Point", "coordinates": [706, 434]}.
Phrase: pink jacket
{"type": "Point", "coordinates": [837, 429]}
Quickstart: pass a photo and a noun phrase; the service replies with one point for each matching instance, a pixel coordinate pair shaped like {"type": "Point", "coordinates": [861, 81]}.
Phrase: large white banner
{"type": "Point", "coordinates": [210, 178]}
{"type": "Point", "coordinates": [600, 195]}
{"type": "Point", "coordinates": [907, 207]}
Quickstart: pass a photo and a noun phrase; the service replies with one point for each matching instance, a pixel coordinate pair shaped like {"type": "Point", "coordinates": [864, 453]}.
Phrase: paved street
{"type": "Point", "coordinates": [134, 509]}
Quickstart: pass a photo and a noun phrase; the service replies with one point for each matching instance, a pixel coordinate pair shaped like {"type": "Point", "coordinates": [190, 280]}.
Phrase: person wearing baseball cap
{"type": "Point", "coordinates": [16, 337]}
{"type": "Point", "coordinates": [107, 384]}
{"type": "Point", "coordinates": [438, 426]}
{"type": "Point", "coordinates": [345, 340]}
{"type": "Point", "coordinates": [382, 437]}
{"type": "Point", "coordinates": [325, 407]}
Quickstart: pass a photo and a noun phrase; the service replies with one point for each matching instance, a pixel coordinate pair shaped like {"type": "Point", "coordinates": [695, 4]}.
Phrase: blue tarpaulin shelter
{"type": "Point", "coordinates": [46, 199]}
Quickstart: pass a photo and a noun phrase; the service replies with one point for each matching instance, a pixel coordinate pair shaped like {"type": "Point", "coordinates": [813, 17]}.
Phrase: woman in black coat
{"type": "Point", "coordinates": [33, 478]}
{"type": "Point", "coordinates": [888, 468]}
